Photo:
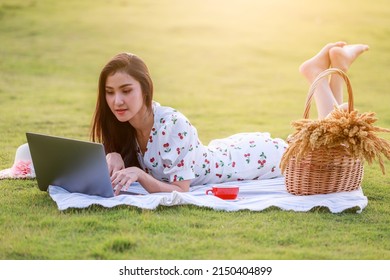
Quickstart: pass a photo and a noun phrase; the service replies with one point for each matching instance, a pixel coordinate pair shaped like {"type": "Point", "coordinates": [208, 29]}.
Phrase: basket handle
{"type": "Point", "coordinates": [317, 80]}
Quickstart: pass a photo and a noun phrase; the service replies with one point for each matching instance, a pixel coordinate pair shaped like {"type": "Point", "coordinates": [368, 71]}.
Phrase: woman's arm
{"type": "Point", "coordinates": [114, 163]}
{"type": "Point", "coordinates": [130, 175]}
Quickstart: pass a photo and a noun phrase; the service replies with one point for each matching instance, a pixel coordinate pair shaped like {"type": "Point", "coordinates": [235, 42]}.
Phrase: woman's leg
{"type": "Point", "coordinates": [342, 58]}
{"type": "Point", "coordinates": [324, 98]}
{"type": "Point", "coordinates": [330, 93]}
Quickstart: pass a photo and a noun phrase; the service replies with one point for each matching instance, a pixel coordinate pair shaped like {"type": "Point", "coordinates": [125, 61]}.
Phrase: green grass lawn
{"type": "Point", "coordinates": [229, 66]}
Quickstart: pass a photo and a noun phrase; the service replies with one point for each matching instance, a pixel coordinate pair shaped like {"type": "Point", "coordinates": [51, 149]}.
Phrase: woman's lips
{"type": "Point", "coordinates": [120, 111]}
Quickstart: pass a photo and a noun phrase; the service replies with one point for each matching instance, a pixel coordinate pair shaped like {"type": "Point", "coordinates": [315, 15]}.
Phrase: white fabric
{"type": "Point", "coordinates": [254, 195]}
{"type": "Point", "coordinates": [175, 153]}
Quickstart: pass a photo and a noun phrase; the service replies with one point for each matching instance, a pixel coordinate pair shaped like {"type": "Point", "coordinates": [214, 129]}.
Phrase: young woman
{"type": "Point", "coordinates": [158, 147]}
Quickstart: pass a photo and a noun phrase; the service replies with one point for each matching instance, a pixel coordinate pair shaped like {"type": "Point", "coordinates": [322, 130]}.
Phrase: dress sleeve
{"type": "Point", "coordinates": [177, 143]}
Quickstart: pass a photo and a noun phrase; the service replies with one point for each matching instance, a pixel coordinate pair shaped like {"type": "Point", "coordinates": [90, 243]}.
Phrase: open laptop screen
{"type": "Point", "coordinates": [77, 166]}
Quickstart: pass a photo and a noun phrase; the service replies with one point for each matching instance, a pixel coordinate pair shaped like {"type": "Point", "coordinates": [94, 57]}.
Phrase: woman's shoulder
{"type": "Point", "coordinates": [165, 114]}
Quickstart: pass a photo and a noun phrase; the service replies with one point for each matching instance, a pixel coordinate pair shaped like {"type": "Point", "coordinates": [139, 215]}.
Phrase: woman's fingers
{"type": "Point", "coordinates": [122, 178]}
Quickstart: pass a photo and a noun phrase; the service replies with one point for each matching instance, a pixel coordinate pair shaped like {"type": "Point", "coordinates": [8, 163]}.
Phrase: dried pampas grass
{"type": "Point", "coordinates": [355, 132]}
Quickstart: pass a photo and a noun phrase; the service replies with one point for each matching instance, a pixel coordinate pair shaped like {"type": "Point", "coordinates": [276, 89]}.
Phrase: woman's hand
{"type": "Point", "coordinates": [114, 162]}
{"type": "Point", "coordinates": [125, 177]}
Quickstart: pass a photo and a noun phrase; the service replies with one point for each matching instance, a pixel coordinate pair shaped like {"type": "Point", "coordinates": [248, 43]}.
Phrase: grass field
{"type": "Point", "coordinates": [229, 66]}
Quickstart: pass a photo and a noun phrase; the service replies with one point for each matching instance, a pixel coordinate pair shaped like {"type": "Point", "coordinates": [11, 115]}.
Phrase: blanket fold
{"type": "Point", "coordinates": [254, 195]}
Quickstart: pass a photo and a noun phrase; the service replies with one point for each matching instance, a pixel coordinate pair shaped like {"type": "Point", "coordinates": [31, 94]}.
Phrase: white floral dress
{"type": "Point", "coordinates": [174, 153]}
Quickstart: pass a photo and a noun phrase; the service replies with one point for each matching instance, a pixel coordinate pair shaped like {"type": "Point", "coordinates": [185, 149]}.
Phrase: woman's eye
{"type": "Point", "coordinates": [109, 92]}
{"type": "Point", "coordinates": [126, 91]}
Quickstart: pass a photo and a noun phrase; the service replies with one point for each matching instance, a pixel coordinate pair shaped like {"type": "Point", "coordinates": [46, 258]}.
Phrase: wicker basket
{"type": "Point", "coordinates": [324, 170]}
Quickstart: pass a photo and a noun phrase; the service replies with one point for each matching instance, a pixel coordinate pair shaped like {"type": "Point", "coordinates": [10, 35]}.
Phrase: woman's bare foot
{"type": "Point", "coordinates": [320, 62]}
{"type": "Point", "coordinates": [343, 106]}
{"type": "Point", "coordinates": [342, 57]}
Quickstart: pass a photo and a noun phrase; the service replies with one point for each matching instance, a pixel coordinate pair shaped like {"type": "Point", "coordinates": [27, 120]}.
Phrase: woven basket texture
{"type": "Point", "coordinates": [324, 170]}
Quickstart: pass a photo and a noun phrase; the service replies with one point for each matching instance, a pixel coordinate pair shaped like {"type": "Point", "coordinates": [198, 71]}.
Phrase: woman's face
{"type": "Point", "coordinates": [124, 96]}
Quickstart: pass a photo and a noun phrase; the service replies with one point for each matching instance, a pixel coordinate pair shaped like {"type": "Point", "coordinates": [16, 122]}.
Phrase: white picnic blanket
{"type": "Point", "coordinates": [254, 195]}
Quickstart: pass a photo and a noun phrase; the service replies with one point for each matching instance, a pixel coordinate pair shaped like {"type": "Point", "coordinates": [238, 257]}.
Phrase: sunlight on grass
{"type": "Point", "coordinates": [229, 66]}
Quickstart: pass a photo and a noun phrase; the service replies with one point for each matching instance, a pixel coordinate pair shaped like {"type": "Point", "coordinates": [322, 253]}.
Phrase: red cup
{"type": "Point", "coordinates": [224, 192]}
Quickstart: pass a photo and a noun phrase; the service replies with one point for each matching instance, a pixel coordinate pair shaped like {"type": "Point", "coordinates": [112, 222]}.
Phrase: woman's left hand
{"type": "Point", "coordinates": [125, 177]}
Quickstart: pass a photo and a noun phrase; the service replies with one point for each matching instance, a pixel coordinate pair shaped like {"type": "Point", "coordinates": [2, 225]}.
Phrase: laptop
{"type": "Point", "coordinates": [76, 166]}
